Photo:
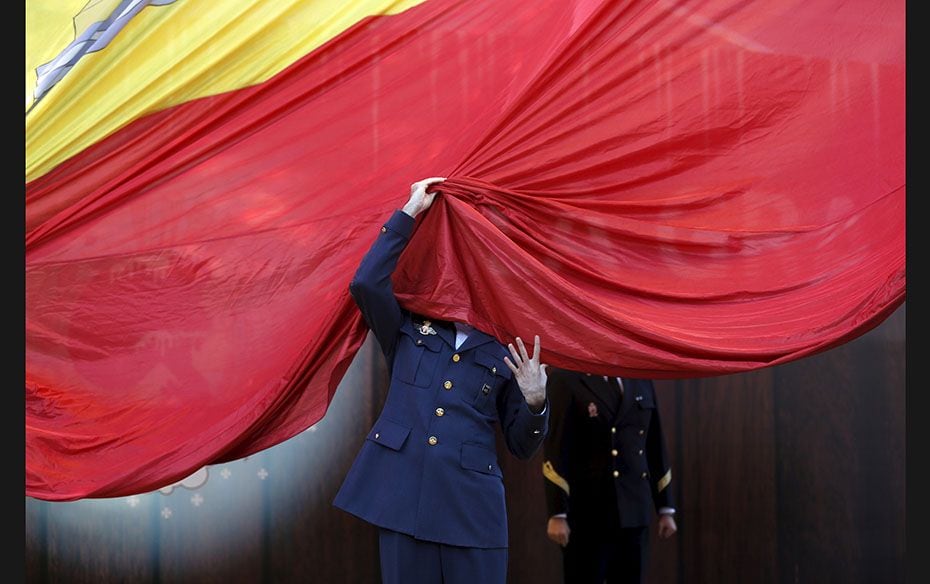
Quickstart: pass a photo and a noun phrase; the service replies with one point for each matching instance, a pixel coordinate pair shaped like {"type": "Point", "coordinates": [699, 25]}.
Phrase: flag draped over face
{"type": "Point", "coordinates": [656, 188]}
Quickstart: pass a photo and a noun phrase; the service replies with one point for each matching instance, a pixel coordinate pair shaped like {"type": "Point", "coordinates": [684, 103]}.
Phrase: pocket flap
{"type": "Point", "coordinates": [481, 459]}
{"type": "Point", "coordinates": [389, 433]}
{"type": "Point", "coordinates": [644, 401]}
{"type": "Point", "coordinates": [494, 364]}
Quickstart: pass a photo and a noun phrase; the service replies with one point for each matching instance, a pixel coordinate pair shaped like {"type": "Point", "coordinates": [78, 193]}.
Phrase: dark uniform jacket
{"type": "Point", "coordinates": [601, 448]}
{"type": "Point", "coordinates": [428, 467]}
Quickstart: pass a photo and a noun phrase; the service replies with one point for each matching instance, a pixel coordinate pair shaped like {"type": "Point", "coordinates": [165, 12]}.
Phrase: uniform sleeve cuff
{"type": "Point", "coordinates": [400, 223]}
{"type": "Point", "coordinates": [542, 413]}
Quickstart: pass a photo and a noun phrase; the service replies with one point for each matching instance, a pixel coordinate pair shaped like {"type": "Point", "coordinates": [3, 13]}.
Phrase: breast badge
{"type": "Point", "coordinates": [426, 328]}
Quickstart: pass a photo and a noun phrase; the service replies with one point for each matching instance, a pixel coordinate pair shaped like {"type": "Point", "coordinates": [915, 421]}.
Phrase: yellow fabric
{"type": "Point", "coordinates": [94, 11]}
{"type": "Point", "coordinates": [49, 29]}
{"type": "Point", "coordinates": [556, 478]}
{"type": "Point", "coordinates": [664, 481]}
{"type": "Point", "coordinates": [167, 55]}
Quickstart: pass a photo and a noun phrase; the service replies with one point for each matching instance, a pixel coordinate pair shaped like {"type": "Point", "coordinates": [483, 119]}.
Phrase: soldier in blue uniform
{"type": "Point", "coordinates": [427, 474]}
{"type": "Point", "coordinates": [606, 473]}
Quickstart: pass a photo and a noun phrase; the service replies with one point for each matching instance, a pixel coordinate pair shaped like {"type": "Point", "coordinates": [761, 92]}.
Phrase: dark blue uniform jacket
{"type": "Point", "coordinates": [428, 467]}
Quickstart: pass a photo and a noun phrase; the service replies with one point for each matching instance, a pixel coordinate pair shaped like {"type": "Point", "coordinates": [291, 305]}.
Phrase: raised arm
{"type": "Point", "coordinates": [371, 286]}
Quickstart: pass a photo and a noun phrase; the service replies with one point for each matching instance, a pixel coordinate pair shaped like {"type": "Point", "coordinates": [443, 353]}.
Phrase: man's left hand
{"type": "Point", "coordinates": [529, 373]}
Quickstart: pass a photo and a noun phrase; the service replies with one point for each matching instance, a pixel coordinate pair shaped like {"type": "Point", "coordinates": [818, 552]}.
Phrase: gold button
{"type": "Point", "coordinates": [433, 440]}
{"type": "Point", "coordinates": [645, 475]}
{"type": "Point", "coordinates": [447, 384]}
{"type": "Point", "coordinates": [616, 473]}
{"type": "Point", "coordinates": [641, 432]}
{"type": "Point", "coordinates": [419, 341]}
{"type": "Point", "coordinates": [377, 435]}
{"type": "Point", "coordinates": [493, 369]}
{"type": "Point", "coordinates": [640, 451]}
{"type": "Point", "coordinates": [490, 467]}
{"type": "Point", "coordinates": [456, 358]}
{"type": "Point", "coordinates": [384, 230]}
{"type": "Point", "coordinates": [613, 430]}
{"type": "Point", "coordinates": [440, 412]}
{"type": "Point", "coordinates": [614, 452]}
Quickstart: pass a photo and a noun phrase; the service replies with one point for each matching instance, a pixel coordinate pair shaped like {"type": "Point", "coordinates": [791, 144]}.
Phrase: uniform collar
{"type": "Point", "coordinates": [475, 338]}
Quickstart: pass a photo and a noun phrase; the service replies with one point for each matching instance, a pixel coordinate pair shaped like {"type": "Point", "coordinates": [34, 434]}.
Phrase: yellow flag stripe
{"type": "Point", "coordinates": [556, 478]}
{"type": "Point", "coordinates": [168, 55]}
{"type": "Point", "coordinates": [49, 29]}
{"type": "Point", "coordinates": [94, 11]}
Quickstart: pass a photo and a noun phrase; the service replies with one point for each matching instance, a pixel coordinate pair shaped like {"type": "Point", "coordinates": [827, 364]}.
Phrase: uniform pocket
{"type": "Point", "coordinates": [480, 459]}
{"type": "Point", "coordinates": [645, 401]}
{"type": "Point", "coordinates": [416, 357]}
{"type": "Point", "coordinates": [494, 373]}
{"type": "Point", "coordinates": [389, 433]}
{"type": "Point", "coordinates": [646, 406]}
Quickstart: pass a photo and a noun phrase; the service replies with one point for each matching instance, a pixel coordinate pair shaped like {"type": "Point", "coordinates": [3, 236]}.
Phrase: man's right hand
{"type": "Point", "coordinates": [420, 200]}
{"type": "Point", "coordinates": [558, 530]}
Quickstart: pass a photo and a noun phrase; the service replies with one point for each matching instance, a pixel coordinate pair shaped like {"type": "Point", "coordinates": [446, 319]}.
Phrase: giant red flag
{"type": "Point", "coordinates": [658, 189]}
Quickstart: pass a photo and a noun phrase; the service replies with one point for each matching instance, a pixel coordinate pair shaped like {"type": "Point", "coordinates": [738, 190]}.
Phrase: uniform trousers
{"type": "Point", "coordinates": [406, 560]}
{"type": "Point", "coordinates": [599, 550]}
{"type": "Point", "coordinates": [615, 558]}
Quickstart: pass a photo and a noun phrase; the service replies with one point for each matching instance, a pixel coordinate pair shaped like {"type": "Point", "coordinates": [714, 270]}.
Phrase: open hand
{"type": "Point", "coordinates": [529, 373]}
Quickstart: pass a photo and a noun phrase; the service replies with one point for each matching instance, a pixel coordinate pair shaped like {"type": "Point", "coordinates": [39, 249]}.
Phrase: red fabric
{"type": "Point", "coordinates": [656, 190]}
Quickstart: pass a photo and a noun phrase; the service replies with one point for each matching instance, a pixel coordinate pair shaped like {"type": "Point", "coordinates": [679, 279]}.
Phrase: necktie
{"type": "Point", "coordinates": [617, 384]}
